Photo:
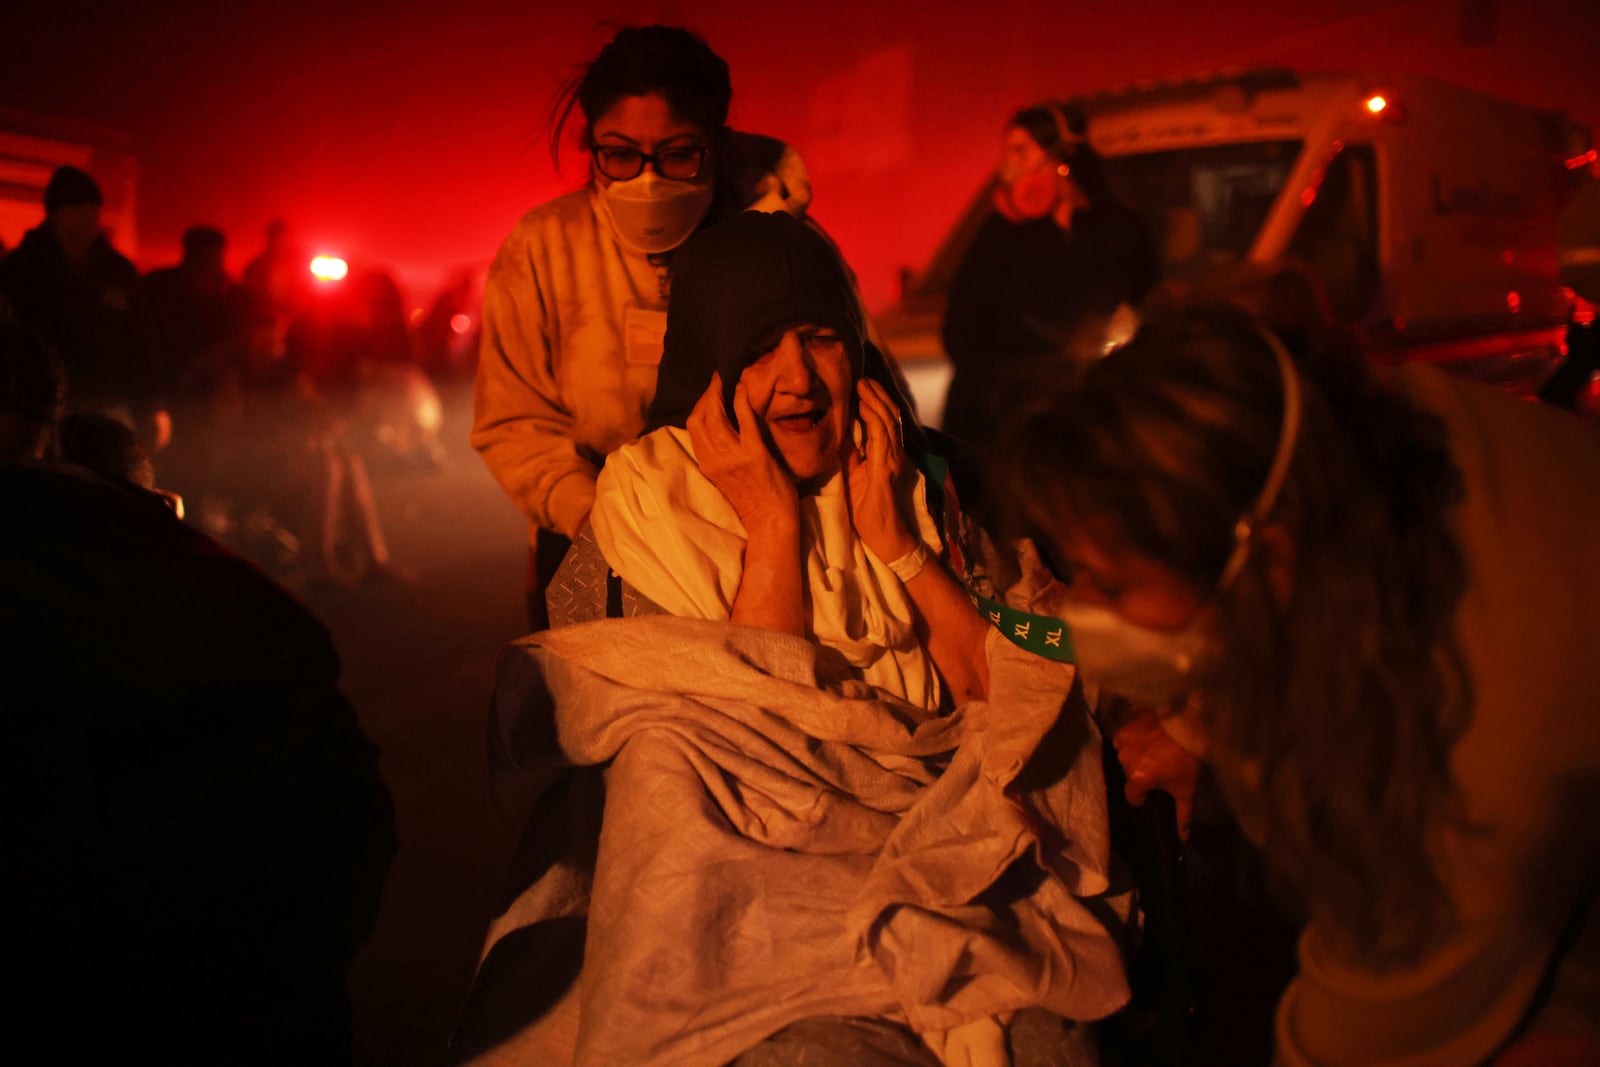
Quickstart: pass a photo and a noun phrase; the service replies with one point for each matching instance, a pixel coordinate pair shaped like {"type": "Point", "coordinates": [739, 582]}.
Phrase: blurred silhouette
{"type": "Point", "coordinates": [66, 282]}
{"type": "Point", "coordinates": [348, 354]}
{"type": "Point", "coordinates": [447, 335]}
{"type": "Point", "coordinates": [195, 830]}
{"type": "Point", "coordinates": [1034, 298]}
{"type": "Point", "coordinates": [189, 325]}
{"type": "Point", "coordinates": [277, 281]}
{"type": "Point", "coordinates": [189, 319]}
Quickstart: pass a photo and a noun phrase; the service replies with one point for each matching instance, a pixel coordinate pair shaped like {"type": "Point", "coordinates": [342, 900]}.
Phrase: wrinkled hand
{"type": "Point", "coordinates": [875, 471]}
{"type": "Point", "coordinates": [738, 461]}
{"type": "Point", "coordinates": [1151, 760]}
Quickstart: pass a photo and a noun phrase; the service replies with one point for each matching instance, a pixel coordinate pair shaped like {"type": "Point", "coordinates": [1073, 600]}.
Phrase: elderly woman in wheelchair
{"type": "Point", "coordinates": [783, 498]}
{"type": "Point", "coordinates": [843, 818]}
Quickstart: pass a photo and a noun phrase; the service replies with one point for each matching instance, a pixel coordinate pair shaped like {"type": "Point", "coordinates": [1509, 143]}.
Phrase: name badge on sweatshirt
{"type": "Point", "coordinates": [644, 333]}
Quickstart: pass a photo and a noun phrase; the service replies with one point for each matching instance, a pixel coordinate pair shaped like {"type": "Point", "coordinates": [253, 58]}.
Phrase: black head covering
{"type": "Point", "coordinates": [735, 287]}
{"type": "Point", "coordinates": [68, 186]}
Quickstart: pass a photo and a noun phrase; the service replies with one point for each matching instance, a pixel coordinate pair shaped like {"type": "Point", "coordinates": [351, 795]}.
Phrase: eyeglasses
{"type": "Point", "coordinates": [620, 164]}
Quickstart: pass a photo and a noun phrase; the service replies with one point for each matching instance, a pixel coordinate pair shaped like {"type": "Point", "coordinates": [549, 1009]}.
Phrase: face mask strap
{"type": "Point", "coordinates": [1063, 135]}
{"type": "Point", "coordinates": [1288, 435]}
{"type": "Point", "coordinates": [1066, 140]}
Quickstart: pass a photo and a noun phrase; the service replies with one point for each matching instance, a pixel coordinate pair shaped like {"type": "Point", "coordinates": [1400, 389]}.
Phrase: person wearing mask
{"type": "Point", "coordinates": [818, 842]}
{"type": "Point", "coordinates": [66, 282]}
{"type": "Point", "coordinates": [574, 309]}
{"type": "Point", "coordinates": [1372, 607]}
{"type": "Point", "coordinates": [1036, 292]}
{"type": "Point", "coordinates": [774, 488]}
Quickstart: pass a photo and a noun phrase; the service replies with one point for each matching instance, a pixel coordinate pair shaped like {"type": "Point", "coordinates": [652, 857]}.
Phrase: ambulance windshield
{"type": "Point", "coordinates": [1204, 206]}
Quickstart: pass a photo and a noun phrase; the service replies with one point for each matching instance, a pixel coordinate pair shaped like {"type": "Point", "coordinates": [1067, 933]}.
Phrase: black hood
{"type": "Point", "coordinates": [735, 287]}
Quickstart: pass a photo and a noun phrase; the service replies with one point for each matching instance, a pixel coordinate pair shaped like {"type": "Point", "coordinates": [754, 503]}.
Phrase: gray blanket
{"type": "Point", "coordinates": [773, 851]}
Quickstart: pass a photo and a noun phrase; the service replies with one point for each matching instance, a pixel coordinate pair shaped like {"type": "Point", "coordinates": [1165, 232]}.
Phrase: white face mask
{"type": "Point", "coordinates": [1154, 666]}
{"type": "Point", "coordinates": [652, 214]}
{"type": "Point", "coordinates": [1151, 667]}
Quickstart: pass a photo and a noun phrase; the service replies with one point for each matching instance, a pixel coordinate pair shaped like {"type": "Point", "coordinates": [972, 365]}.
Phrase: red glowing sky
{"type": "Point", "coordinates": [411, 135]}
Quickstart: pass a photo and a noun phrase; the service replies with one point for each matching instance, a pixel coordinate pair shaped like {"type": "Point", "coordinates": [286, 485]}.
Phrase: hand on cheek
{"type": "Point", "coordinates": [875, 470]}
{"type": "Point", "coordinates": [737, 460]}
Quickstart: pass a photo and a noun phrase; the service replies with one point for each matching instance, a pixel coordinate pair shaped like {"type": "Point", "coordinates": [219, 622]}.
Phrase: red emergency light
{"type": "Point", "coordinates": [1383, 108]}
{"type": "Point", "coordinates": [329, 268]}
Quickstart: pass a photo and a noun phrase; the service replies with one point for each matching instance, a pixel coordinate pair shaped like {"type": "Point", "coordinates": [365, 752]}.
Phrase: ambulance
{"type": "Point", "coordinates": [1427, 211]}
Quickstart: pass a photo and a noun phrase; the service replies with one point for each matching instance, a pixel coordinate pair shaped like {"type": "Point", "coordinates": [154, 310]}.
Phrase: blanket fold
{"type": "Point", "coordinates": [772, 850]}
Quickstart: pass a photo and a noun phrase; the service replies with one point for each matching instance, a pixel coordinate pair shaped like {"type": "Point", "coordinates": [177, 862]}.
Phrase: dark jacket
{"type": "Point", "coordinates": [195, 833]}
{"type": "Point", "coordinates": [1022, 292]}
{"type": "Point", "coordinates": [186, 336]}
{"type": "Point", "coordinates": [83, 313]}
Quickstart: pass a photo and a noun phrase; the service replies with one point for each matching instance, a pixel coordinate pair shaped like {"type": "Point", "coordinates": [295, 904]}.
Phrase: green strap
{"type": "Point", "coordinates": [1040, 634]}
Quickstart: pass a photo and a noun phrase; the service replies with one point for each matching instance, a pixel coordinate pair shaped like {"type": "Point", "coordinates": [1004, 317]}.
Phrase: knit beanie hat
{"type": "Point", "coordinates": [68, 186]}
{"type": "Point", "coordinates": [739, 285]}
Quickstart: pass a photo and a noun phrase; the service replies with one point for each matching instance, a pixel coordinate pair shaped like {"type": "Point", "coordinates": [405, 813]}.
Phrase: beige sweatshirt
{"type": "Point", "coordinates": [572, 332]}
{"type": "Point", "coordinates": [1528, 766]}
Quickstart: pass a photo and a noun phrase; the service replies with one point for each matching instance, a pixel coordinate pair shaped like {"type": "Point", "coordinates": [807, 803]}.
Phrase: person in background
{"type": "Point", "coordinates": [1371, 607]}
{"type": "Point", "coordinates": [447, 342]}
{"type": "Point", "coordinates": [189, 323]}
{"type": "Point", "coordinates": [774, 489]}
{"type": "Point", "coordinates": [278, 280]}
{"type": "Point", "coordinates": [776, 504]}
{"type": "Point", "coordinates": [575, 306]}
{"type": "Point", "coordinates": [1037, 291]}
{"type": "Point", "coordinates": [189, 318]}
{"type": "Point", "coordinates": [66, 282]}
{"type": "Point", "coordinates": [339, 349]}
